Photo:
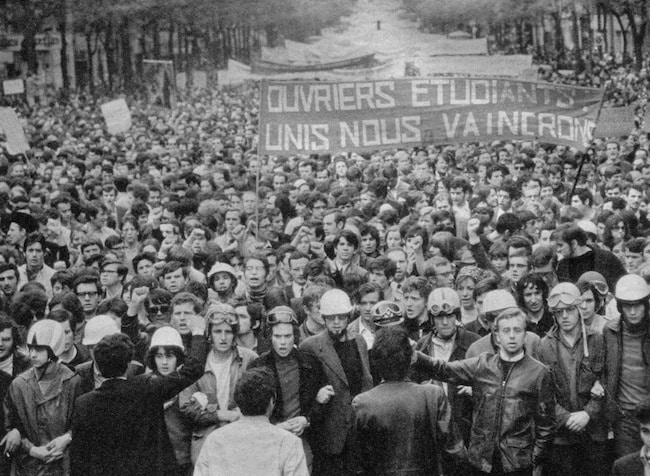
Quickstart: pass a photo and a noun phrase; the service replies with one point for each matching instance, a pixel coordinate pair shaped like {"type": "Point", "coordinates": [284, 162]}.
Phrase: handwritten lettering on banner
{"type": "Point", "coordinates": [313, 117]}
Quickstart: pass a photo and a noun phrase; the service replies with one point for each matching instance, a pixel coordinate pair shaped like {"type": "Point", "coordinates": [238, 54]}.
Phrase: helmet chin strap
{"type": "Point", "coordinates": [635, 328]}
{"type": "Point", "coordinates": [437, 334]}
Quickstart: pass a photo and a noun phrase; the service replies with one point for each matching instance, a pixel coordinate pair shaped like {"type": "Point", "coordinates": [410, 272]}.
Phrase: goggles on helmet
{"type": "Point", "coordinates": [227, 317]}
{"type": "Point", "coordinates": [386, 312]}
{"type": "Point", "coordinates": [281, 317]}
{"type": "Point", "coordinates": [436, 309]}
{"type": "Point", "coordinates": [601, 287]}
{"type": "Point", "coordinates": [564, 298]}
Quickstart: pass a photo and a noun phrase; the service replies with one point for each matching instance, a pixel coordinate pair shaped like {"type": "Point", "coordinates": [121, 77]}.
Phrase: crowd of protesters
{"type": "Point", "coordinates": [172, 303]}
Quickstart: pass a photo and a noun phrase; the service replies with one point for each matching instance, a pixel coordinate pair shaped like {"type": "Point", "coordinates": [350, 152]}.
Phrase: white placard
{"type": "Point", "coordinates": [13, 130]}
{"type": "Point", "coordinates": [13, 86]}
{"type": "Point", "coordinates": [117, 116]}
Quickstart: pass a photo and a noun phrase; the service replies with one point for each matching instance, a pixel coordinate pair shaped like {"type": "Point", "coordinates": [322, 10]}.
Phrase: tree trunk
{"type": "Point", "coordinates": [127, 66]}
{"type": "Point", "coordinates": [91, 74]}
{"type": "Point", "coordinates": [559, 37]}
{"type": "Point", "coordinates": [156, 39]}
{"type": "Point", "coordinates": [109, 47]}
{"type": "Point", "coordinates": [64, 51]}
{"type": "Point", "coordinates": [170, 42]}
{"type": "Point", "coordinates": [605, 35]}
{"type": "Point", "coordinates": [623, 32]}
{"type": "Point", "coordinates": [638, 25]}
{"type": "Point", "coordinates": [575, 31]}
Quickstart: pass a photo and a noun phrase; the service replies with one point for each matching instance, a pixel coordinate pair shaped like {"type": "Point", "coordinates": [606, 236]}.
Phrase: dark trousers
{"type": "Point", "coordinates": [588, 458]}
{"type": "Point", "coordinates": [627, 438]}
{"type": "Point", "coordinates": [331, 465]}
{"type": "Point", "coordinates": [340, 464]}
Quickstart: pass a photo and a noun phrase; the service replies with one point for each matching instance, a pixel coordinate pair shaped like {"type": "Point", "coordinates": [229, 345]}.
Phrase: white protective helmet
{"type": "Point", "coordinates": [47, 333]}
{"type": "Point", "coordinates": [631, 288]}
{"type": "Point", "coordinates": [565, 293]}
{"type": "Point", "coordinates": [222, 268]}
{"type": "Point", "coordinates": [335, 302]}
{"type": "Point", "coordinates": [497, 301]}
{"type": "Point", "coordinates": [443, 301]}
{"type": "Point", "coordinates": [166, 337]}
{"type": "Point", "coordinates": [99, 327]}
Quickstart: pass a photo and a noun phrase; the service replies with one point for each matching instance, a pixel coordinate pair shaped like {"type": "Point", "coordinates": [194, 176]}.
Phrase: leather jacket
{"type": "Point", "coordinates": [514, 412]}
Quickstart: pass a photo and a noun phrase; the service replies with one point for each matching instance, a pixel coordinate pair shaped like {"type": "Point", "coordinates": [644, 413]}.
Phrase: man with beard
{"type": "Point", "coordinates": [35, 268]}
{"type": "Point", "coordinates": [8, 280]}
{"type": "Point", "coordinates": [347, 370]}
{"type": "Point", "coordinates": [578, 258]}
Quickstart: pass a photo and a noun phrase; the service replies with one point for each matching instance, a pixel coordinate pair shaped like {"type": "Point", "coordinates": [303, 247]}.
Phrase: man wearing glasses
{"type": "Point", "coordinates": [300, 382]}
{"type": "Point", "coordinates": [347, 370]}
{"type": "Point", "coordinates": [87, 289]}
{"type": "Point", "coordinates": [575, 356]}
{"type": "Point", "coordinates": [111, 276]}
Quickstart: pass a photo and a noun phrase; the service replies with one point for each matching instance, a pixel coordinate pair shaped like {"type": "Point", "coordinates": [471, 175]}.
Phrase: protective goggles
{"type": "Point", "coordinates": [281, 317]}
{"type": "Point", "coordinates": [386, 313]}
{"type": "Point", "coordinates": [601, 287]}
{"type": "Point", "coordinates": [227, 317]}
{"type": "Point", "coordinates": [445, 308]}
{"type": "Point", "coordinates": [564, 298]}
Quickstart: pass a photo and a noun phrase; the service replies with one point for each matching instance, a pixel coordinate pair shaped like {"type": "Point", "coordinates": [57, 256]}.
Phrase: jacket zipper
{"type": "Point", "coordinates": [500, 407]}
